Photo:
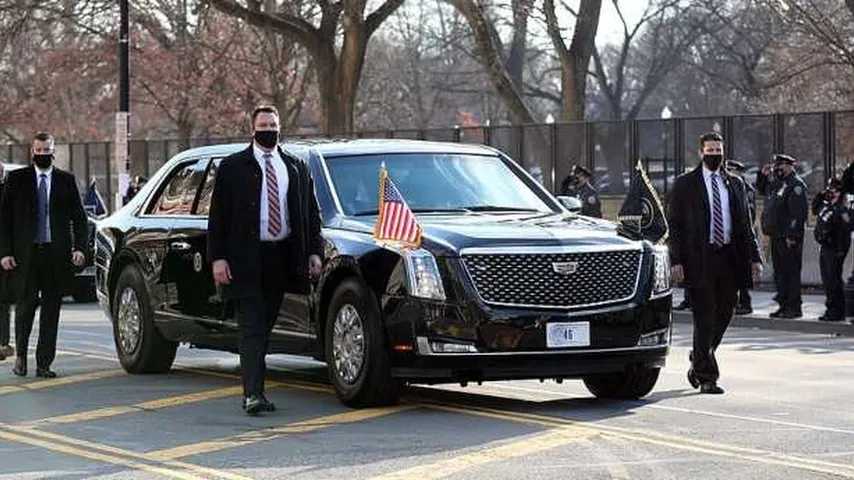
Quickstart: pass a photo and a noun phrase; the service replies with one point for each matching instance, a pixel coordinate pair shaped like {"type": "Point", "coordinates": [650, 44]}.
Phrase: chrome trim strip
{"type": "Point", "coordinates": [291, 333]}
{"type": "Point", "coordinates": [550, 250]}
{"type": "Point", "coordinates": [181, 316]}
{"type": "Point", "coordinates": [663, 294]}
{"type": "Point", "coordinates": [548, 352]}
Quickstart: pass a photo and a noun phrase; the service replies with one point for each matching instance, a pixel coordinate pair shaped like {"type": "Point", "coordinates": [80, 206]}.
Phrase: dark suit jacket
{"type": "Point", "coordinates": [234, 220]}
{"type": "Point", "coordinates": [68, 225]}
{"type": "Point", "coordinates": [690, 215]}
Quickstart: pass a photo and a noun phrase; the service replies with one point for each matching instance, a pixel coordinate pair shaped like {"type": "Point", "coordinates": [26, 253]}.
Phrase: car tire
{"type": "Point", "coordinates": [631, 384]}
{"type": "Point", "coordinates": [139, 345]}
{"type": "Point", "coordinates": [357, 354]}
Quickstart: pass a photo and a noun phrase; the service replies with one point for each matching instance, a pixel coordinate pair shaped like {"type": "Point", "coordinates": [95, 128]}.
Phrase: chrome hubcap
{"type": "Point", "coordinates": [348, 344]}
{"type": "Point", "coordinates": [128, 320]}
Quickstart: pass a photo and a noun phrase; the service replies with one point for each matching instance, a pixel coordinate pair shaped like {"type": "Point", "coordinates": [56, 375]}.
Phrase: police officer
{"type": "Point", "coordinates": [744, 306]}
{"type": "Point", "coordinates": [590, 204]}
{"type": "Point", "coordinates": [785, 224]}
{"type": "Point", "coordinates": [833, 233]}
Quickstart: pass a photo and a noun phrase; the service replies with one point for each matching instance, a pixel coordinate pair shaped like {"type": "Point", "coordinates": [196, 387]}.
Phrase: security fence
{"type": "Point", "coordinates": [666, 147]}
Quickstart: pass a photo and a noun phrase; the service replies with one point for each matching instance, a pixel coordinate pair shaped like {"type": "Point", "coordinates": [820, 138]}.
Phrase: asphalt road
{"type": "Point", "coordinates": [787, 414]}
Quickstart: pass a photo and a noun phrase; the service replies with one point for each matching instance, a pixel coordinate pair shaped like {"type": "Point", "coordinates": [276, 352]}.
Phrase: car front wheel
{"type": "Point", "coordinates": [356, 352]}
{"type": "Point", "coordinates": [631, 384]}
{"type": "Point", "coordinates": [140, 347]}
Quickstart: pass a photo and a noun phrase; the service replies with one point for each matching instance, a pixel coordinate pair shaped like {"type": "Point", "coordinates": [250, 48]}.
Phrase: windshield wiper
{"type": "Point", "coordinates": [417, 210]}
{"type": "Point", "coordinates": [497, 208]}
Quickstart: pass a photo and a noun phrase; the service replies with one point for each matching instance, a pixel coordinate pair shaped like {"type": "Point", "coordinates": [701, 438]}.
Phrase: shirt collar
{"type": "Point", "coordinates": [708, 173]}
{"type": "Point", "coordinates": [259, 153]}
{"type": "Point", "coordinates": [47, 172]}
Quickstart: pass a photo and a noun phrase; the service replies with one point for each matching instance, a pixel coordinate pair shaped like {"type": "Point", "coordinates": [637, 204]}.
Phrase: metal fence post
{"type": "Point", "coordinates": [828, 125]}
{"type": "Point", "coordinates": [729, 137]}
{"type": "Point", "coordinates": [553, 134]}
{"type": "Point", "coordinates": [458, 134]}
{"type": "Point", "coordinates": [778, 127]}
{"type": "Point", "coordinates": [634, 149]}
{"type": "Point", "coordinates": [147, 166]}
{"type": "Point", "coordinates": [111, 201]}
{"type": "Point", "coordinates": [589, 147]}
{"type": "Point", "coordinates": [87, 160]}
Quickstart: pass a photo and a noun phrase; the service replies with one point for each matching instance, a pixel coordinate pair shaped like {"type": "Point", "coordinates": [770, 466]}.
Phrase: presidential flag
{"type": "Point", "coordinates": [92, 201]}
{"type": "Point", "coordinates": [642, 212]}
{"type": "Point", "coordinates": [395, 221]}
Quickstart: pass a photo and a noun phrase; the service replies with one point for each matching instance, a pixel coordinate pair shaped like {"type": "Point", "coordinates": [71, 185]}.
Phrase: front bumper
{"type": "Point", "coordinates": [508, 344]}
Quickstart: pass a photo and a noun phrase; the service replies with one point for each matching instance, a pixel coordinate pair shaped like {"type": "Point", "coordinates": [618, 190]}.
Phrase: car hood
{"type": "Point", "coordinates": [450, 234]}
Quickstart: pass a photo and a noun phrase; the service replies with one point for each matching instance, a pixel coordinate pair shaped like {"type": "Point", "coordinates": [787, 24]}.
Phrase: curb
{"type": "Point", "coordinates": [838, 329]}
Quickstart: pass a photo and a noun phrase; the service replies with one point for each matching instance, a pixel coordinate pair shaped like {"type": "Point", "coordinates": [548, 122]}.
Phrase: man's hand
{"type": "Point", "coordinates": [77, 258]}
{"type": "Point", "coordinates": [8, 263]}
{"type": "Point", "coordinates": [757, 271]}
{"type": "Point", "coordinates": [766, 169]}
{"type": "Point", "coordinates": [221, 272]}
{"type": "Point", "coordinates": [791, 242]}
{"type": "Point", "coordinates": [677, 275]}
{"type": "Point", "coordinates": [314, 267]}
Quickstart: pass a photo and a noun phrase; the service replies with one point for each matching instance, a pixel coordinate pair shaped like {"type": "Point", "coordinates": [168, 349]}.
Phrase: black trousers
{"type": "Point", "coordinates": [713, 306]}
{"type": "Point", "coordinates": [787, 272]}
{"type": "Point", "coordinates": [830, 263]}
{"type": "Point", "coordinates": [42, 289]}
{"type": "Point", "coordinates": [4, 324]}
{"type": "Point", "coordinates": [744, 299]}
{"type": "Point", "coordinates": [257, 315]}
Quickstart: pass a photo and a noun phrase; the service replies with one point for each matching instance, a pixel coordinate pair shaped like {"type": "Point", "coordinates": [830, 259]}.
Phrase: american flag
{"type": "Point", "coordinates": [396, 222]}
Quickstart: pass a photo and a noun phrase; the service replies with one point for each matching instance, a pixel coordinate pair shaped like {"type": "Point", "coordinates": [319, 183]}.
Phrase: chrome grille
{"type": "Point", "coordinates": [532, 279]}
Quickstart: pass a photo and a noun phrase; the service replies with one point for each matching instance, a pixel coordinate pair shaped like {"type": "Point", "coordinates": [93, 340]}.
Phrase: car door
{"type": "Point", "coordinates": [188, 280]}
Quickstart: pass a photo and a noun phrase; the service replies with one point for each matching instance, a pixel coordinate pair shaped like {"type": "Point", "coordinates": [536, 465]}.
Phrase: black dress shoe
{"type": "Point", "coordinates": [791, 314]}
{"type": "Point", "coordinates": [20, 368]}
{"type": "Point", "coordinates": [826, 318]}
{"type": "Point", "coordinates": [692, 378]}
{"type": "Point", "coordinates": [252, 405]}
{"type": "Point", "coordinates": [685, 305]}
{"type": "Point", "coordinates": [711, 388]}
{"type": "Point", "coordinates": [267, 405]}
{"type": "Point", "coordinates": [45, 373]}
{"type": "Point", "coordinates": [777, 314]}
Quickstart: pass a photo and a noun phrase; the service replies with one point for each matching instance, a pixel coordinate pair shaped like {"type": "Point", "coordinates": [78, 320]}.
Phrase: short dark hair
{"type": "Point", "coordinates": [710, 137]}
{"type": "Point", "coordinates": [264, 109]}
{"type": "Point", "coordinates": [43, 137]}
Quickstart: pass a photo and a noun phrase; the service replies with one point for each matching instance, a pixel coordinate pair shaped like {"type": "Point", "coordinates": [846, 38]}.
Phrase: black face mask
{"type": "Point", "coordinates": [713, 162]}
{"type": "Point", "coordinates": [267, 138]}
{"type": "Point", "coordinates": [43, 161]}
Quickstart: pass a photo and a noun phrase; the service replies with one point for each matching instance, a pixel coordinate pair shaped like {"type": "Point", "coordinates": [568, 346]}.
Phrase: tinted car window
{"type": "Point", "coordinates": [176, 198]}
{"type": "Point", "coordinates": [432, 181]}
{"type": "Point", "coordinates": [204, 205]}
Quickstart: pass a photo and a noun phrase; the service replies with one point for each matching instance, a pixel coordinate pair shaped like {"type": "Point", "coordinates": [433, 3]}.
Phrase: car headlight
{"type": "Point", "coordinates": [661, 271]}
{"type": "Point", "coordinates": [423, 276]}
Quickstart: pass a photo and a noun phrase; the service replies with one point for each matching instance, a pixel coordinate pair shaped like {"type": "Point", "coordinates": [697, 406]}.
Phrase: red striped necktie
{"type": "Point", "coordinates": [274, 209]}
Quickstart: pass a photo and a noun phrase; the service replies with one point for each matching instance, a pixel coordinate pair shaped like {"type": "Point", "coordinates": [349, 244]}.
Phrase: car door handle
{"type": "Point", "coordinates": [180, 246]}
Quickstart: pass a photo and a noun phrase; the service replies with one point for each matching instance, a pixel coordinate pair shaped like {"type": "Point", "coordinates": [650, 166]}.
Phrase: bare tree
{"type": "Point", "coordinates": [316, 27]}
{"type": "Point", "coordinates": [574, 59]}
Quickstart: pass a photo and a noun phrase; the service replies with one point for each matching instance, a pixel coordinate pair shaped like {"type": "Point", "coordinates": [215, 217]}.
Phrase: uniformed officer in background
{"type": "Point", "coordinates": [784, 223]}
{"type": "Point", "coordinates": [833, 233]}
{"type": "Point", "coordinates": [744, 305]}
{"type": "Point", "coordinates": [590, 204]}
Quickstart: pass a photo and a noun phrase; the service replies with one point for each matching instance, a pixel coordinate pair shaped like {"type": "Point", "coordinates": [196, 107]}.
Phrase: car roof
{"type": "Point", "coordinates": [338, 147]}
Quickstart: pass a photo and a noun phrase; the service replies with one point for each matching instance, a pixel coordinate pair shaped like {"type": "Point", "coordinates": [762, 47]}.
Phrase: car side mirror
{"type": "Point", "coordinates": [571, 203]}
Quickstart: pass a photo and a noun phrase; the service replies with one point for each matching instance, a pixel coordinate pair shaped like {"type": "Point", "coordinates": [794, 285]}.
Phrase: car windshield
{"type": "Point", "coordinates": [434, 182]}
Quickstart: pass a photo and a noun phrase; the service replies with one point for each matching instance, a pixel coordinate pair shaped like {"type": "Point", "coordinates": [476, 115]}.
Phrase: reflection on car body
{"type": "Point", "coordinates": [508, 284]}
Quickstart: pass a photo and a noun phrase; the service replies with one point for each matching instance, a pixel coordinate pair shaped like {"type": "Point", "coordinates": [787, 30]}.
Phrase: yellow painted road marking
{"type": "Point", "coordinates": [494, 452]}
{"type": "Point", "coordinates": [110, 454]}
{"type": "Point", "coordinates": [255, 436]}
{"type": "Point", "coordinates": [768, 457]}
{"type": "Point", "coordinates": [57, 382]}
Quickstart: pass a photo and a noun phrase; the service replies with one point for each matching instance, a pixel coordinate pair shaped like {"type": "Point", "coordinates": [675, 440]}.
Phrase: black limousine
{"type": "Point", "coordinates": [508, 283]}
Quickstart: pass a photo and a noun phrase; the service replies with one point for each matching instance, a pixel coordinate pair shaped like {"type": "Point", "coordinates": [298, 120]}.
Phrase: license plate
{"type": "Point", "coordinates": [568, 334]}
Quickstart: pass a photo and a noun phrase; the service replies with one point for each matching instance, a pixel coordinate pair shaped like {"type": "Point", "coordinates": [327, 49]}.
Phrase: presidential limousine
{"type": "Point", "coordinates": [508, 282]}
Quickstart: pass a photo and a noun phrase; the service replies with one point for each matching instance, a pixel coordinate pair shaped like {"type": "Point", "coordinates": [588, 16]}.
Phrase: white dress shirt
{"type": "Point", "coordinates": [724, 194]}
{"type": "Point", "coordinates": [282, 180]}
{"type": "Point", "coordinates": [47, 179]}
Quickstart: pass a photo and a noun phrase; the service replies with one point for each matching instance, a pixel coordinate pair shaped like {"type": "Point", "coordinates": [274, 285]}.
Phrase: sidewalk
{"type": "Point", "coordinates": [763, 305]}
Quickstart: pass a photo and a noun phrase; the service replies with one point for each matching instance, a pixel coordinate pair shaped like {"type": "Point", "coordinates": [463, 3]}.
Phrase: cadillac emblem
{"type": "Point", "coordinates": [565, 268]}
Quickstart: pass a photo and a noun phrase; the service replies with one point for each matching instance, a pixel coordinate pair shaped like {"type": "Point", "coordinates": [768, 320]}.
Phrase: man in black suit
{"type": "Point", "coordinates": [5, 349]}
{"type": "Point", "coordinates": [41, 208]}
{"type": "Point", "coordinates": [736, 168]}
{"type": "Point", "coordinates": [713, 249]}
{"type": "Point", "coordinates": [263, 237]}
{"type": "Point", "coordinates": [591, 206]}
